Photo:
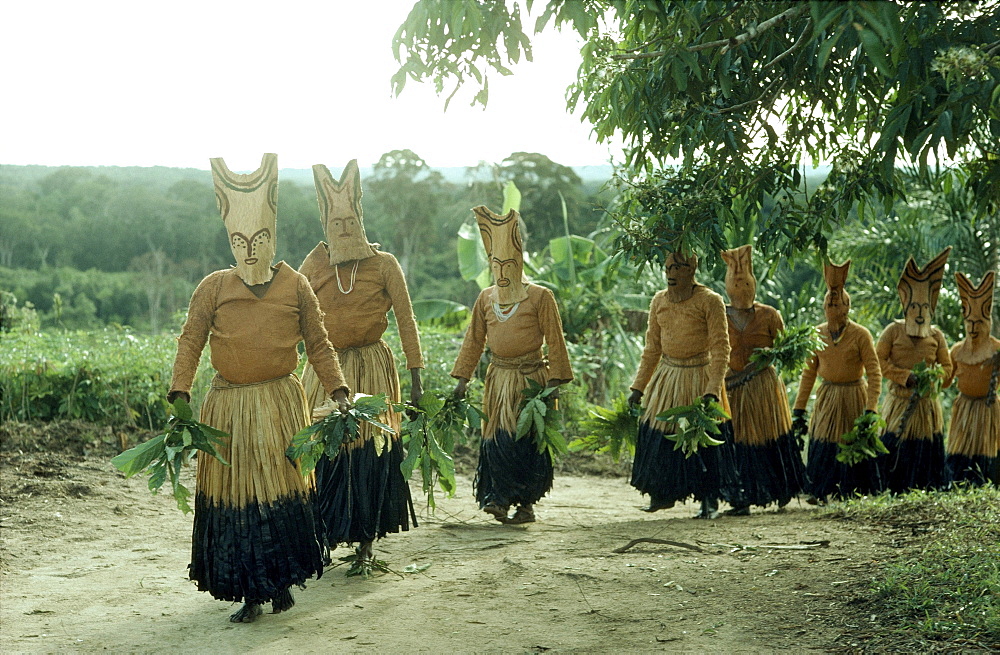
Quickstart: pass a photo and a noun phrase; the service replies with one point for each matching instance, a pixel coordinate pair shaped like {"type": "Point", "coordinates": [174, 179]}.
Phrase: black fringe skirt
{"type": "Point", "coordinates": [914, 463]}
{"type": "Point", "coordinates": [828, 478]}
{"type": "Point", "coordinates": [771, 472]}
{"type": "Point", "coordinates": [668, 476]}
{"type": "Point", "coordinates": [511, 471]}
{"type": "Point", "coordinates": [974, 470]}
{"type": "Point", "coordinates": [362, 495]}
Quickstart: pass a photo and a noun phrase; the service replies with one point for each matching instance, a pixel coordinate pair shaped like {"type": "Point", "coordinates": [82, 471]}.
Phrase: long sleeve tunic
{"type": "Point", "coordinates": [843, 361]}
{"type": "Point", "coordinates": [255, 339]}
{"type": "Point", "coordinates": [759, 332]}
{"type": "Point", "coordinates": [359, 318]}
{"type": "Point", "coordinates": [898, 352]}
{"type": "Point", "coordinates": [535, 320]}
{"type": "Point", "coordinates": [681, 330]}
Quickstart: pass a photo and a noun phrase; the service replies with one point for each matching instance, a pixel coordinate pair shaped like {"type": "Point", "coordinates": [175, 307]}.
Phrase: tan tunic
{"type": "Point", "coordinates": [898, 352]}
{"type": "Point", "coordinates": [843, 362]}
{"type": "Point", "coordinates": [536, 320]}
{"type": "Point", "coordinates": [682, 330]}
{"type": "Point", "coordinates": [359, 318]}
{"type": "Point", "coordinates": [973, 376]}
{"type": "Point", "coordinates": [759, 332]}
{"type": "Point", "coordinates": [254, 339]}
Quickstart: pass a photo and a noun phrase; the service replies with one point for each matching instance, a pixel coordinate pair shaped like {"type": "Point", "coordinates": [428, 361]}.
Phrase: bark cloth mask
{"type": "Point", "coordinates": [248, 204]}
{"type": "Point", "coordinates": [340, 212]}
{"type": "Point", "coordinates": [837, 303]}
{"type": "Point", "coordinates": [679, 270]}
{"type": "Point", "coordinates": [502, 239]}
{"type": "Point", "coordinates": [977, 306]}
{"type": "Point", "coordinates": [918, 292]}
{"type": "Point", "coordinates": [741, 285]}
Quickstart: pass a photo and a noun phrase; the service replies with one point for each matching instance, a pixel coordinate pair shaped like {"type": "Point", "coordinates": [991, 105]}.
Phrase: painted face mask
{"type": "Point", "coordinates": [248, 204]}
{"type": "Point", "coordinates": [918, 292]}
{"type": "Point", "coordinates": [679, 271]}
{"type": "Point", "coordinates": [977, 306]}
{"type": "Point", "coordinates": [340, 211]}
{"type": "Point", "coordinates": [502, 240]}
{"type": "Point", "coordinates": [741, 285]}
{"type": "Point", "coordinates": [837, 303]}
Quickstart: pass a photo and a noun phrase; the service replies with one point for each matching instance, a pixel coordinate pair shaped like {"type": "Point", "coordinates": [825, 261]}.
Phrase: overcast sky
{"type": "Point", "coordinates": [174, 83]}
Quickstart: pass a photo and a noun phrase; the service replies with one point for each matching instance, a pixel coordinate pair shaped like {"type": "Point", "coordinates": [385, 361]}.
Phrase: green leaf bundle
{"type": "Point", "coordinates": [862, 442]}
{"type": "Point", "coordinates": [792, 348]}
{"type": "Point", "coordinates": [163, 456]}
{"type": "Point", "coordinates": [425, 450]}
{"type": "Point", "coordinates": [609, 430]}
{"type": "Point", "coordinates": [539, 418]}
{"type": "Point", "coordinates": [454, 419]}
{"type": "Point", "coordinates": [694, 425]}
{"type": "Point", "coordinates": [328, 434]}
{"type": "Point", "coordinates": [927, 385]}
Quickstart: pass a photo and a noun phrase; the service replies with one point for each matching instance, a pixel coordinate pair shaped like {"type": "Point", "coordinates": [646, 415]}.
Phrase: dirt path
{"type": "Point", "coordinates": [91, 561]}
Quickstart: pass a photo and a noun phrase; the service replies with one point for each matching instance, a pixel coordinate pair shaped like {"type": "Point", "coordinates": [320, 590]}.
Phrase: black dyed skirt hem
{"type": "Point", "coordinates": [770, 473]}
{"type": "Point", "coordinates": [974, 471]}
{"type": "Point", "coordinates": [914, 463]}
{"type": "Point", "coordinates": [511, 471]}
{"type": "Point", "coordinates": [828, 478]}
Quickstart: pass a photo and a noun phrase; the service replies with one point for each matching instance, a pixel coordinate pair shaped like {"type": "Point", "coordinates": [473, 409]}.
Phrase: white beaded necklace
{"type": "Point", "coordinates": [504, 314]}
{"type": "Point", "coordinates": [354, 276]}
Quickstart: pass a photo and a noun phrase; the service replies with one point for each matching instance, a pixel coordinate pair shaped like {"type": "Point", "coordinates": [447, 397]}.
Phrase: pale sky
{"type": "Point", "coordinates": [173, 83]}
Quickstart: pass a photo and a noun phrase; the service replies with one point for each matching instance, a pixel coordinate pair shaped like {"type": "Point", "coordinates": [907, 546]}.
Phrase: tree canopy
{"type": "Point", "coordinates": [725, 105]}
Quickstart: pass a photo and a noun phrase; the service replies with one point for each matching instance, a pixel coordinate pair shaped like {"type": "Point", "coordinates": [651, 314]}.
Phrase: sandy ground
{"type": "Point", "coordinates": [92, 562]}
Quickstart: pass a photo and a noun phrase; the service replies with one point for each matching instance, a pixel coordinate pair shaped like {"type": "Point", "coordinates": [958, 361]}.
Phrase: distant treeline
{"type": "Point", "coordinates": [89, 246]}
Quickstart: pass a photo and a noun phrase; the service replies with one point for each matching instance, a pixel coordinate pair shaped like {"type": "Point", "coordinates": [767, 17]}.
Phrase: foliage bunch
{"type": "Point", "coordinates": [694, 425]}
{"type": "Point", "coordinates": [326, 435]}
{"type": "Point", "coordinates": [425, 451]}
{"type": "Point", "coordinates": [609, 430]}
{"type": "Point", "coordinates": [453, 420]}
{"type": "Point", "coordinates": [162, 456]}
{"type": "Point", "coordinates": [863, 441]}
{"type": "Point", "coordinates": [928, 379]}
{"type": "Point", "coordinates": [539, 418]}
{"type": "Point", "coordinates": [791, 349]}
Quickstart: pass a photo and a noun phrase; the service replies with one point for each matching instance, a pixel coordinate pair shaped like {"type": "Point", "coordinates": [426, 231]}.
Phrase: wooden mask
{"type": "Point", "coordinates": [502, 239]}
{"type": "Point", "coordinates": [741, 285]}
{"type": "Point", "coordinates": [248, 204]}
{"type": "Point", "coordinates": [918, 292]}
{"type": "Point", "coordinates": [977, 305]}
{"type": "Point", "coordinates": [340, 212]}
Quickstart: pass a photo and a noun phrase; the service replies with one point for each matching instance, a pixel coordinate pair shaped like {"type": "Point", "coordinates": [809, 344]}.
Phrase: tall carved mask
{"type": "Point", "coordinates": [340, 212]}
{"type": "Point", "coordinates": [248, 204]}
{"type": "Point", "coordinates": [741, 285]}
{"type": "Point", "coordinates": [502, 239]}
{"type": "Point", "coordinates": [977, 305]}
{"type": "Point", "coordinates": [836, 303]}
{"type": "Point", "coordinates": [918, 292]}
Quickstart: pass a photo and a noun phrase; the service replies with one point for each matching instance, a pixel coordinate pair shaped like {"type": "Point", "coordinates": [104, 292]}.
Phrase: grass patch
{"type": "Point", "coordinates": [945, 583]}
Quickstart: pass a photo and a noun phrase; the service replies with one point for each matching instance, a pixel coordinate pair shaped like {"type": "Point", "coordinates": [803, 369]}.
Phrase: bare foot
{"type": "Point", "coordinates": [524, 514]}
{"type": "Point", "coordinates": [284, 601]}
{"type": "Point", "coordinates": [246, 614]}
{"type": "Point", "coordinates": [709, 509]}
{"type": "Point", "coordinates": [497, 512]}
{"type": "Point", "coordinates": [365, 552]}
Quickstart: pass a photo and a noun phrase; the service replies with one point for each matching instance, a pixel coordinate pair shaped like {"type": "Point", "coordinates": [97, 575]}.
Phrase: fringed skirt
{"type": "Point", "coordinates": [256, 532]}
{"type": "Point", "coordinates": [362, 493]}
{"type": "Point", "coordinates": [973, 439]}
{"type": "Point", "coordinates": [666, 474]}
{"type": "Point", "coordinates": [834, 412]}
{"type": "Point", "coordinates": [510, 471]}
{"type": "Point", "coordinates": [768, 455]}
{"type": "Point", "coordinates": [916, 457]}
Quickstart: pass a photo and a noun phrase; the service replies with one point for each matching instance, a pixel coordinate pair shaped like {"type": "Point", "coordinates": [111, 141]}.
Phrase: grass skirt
{"type": "Point", "coordinates": [666, 474]}
{"type": "Point", "coordinates": [973, 440]}
{"type": "Point", "coordinates": [836, 408]}
{"type": "Point", "coordinates": [255, 532]}
{"type": "Point", "coordinates": [510, 471]}
{"type": "Point", "coordinates": [362, 493]}
{"type": "Point", "coordinates": [916, 457]}
{"type": "Point", "coordinates": [768, 456]}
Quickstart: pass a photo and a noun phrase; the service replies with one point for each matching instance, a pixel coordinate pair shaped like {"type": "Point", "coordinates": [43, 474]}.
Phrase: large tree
{"type": "Point", "coordinates": [724, 105]}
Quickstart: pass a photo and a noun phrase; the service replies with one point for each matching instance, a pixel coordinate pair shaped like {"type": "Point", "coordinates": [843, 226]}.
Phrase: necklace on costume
{"type": "Point", "coordinates": [504, 314]}
{"type": "Point", "coordinates": [354, 276]}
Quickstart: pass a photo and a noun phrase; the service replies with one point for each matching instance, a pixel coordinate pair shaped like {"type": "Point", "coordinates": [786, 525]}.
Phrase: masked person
{"type": "Point", "coordinates": [974, 430]}
{"type": "Point", "coordinates": [850, 385]}
{"type": "Point", "coordinates": [684, 359]}
{"type": "Point", "coordinates": [767, 453]}
{"type": "Point", "coordinates": [914, 423]}
{"type": "Point", "coordinates": [362, 493]}
{"type": "Point", "coordinates": [255, 529]}
{"type": "Point", "coordinates": [514, 318]}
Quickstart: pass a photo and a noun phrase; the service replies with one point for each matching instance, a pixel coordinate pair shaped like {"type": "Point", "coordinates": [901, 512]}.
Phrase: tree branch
{"type": "Point", "coordinates": [795, 46]}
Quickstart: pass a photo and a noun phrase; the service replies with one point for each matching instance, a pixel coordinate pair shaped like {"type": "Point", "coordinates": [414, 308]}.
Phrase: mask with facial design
{"type": "Point", "coordinates": [248, 204]}
{"type": "Point", "coordinates": [741, 285]}
{"type": "Point", "coordinates": [679, 270]}
{"type": "Point", "coordinates": [918, 292]}
{"type": "Point", "coordinates": [340, 211]}
{"type": "Point", "coordinates": [977, 306]}
{"type": "Point", "coordinates": [502, 239]}
{"type": "Point", "coordinates": [837, 303]}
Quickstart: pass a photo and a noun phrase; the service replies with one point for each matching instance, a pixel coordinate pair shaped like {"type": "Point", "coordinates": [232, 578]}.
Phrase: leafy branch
{"type": "Point", "coordinates": [539, 418]}
{"type": "Point", "coordinates": [862, 442]}
{"type": "Point", "coordinates": [328, 434]}
{"type": "Point", "coordinates": [429, 432]}
{"type": "Point", "coordinates": [694, 425]}
{"type": "Point", "coordinates": [609, 430]}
